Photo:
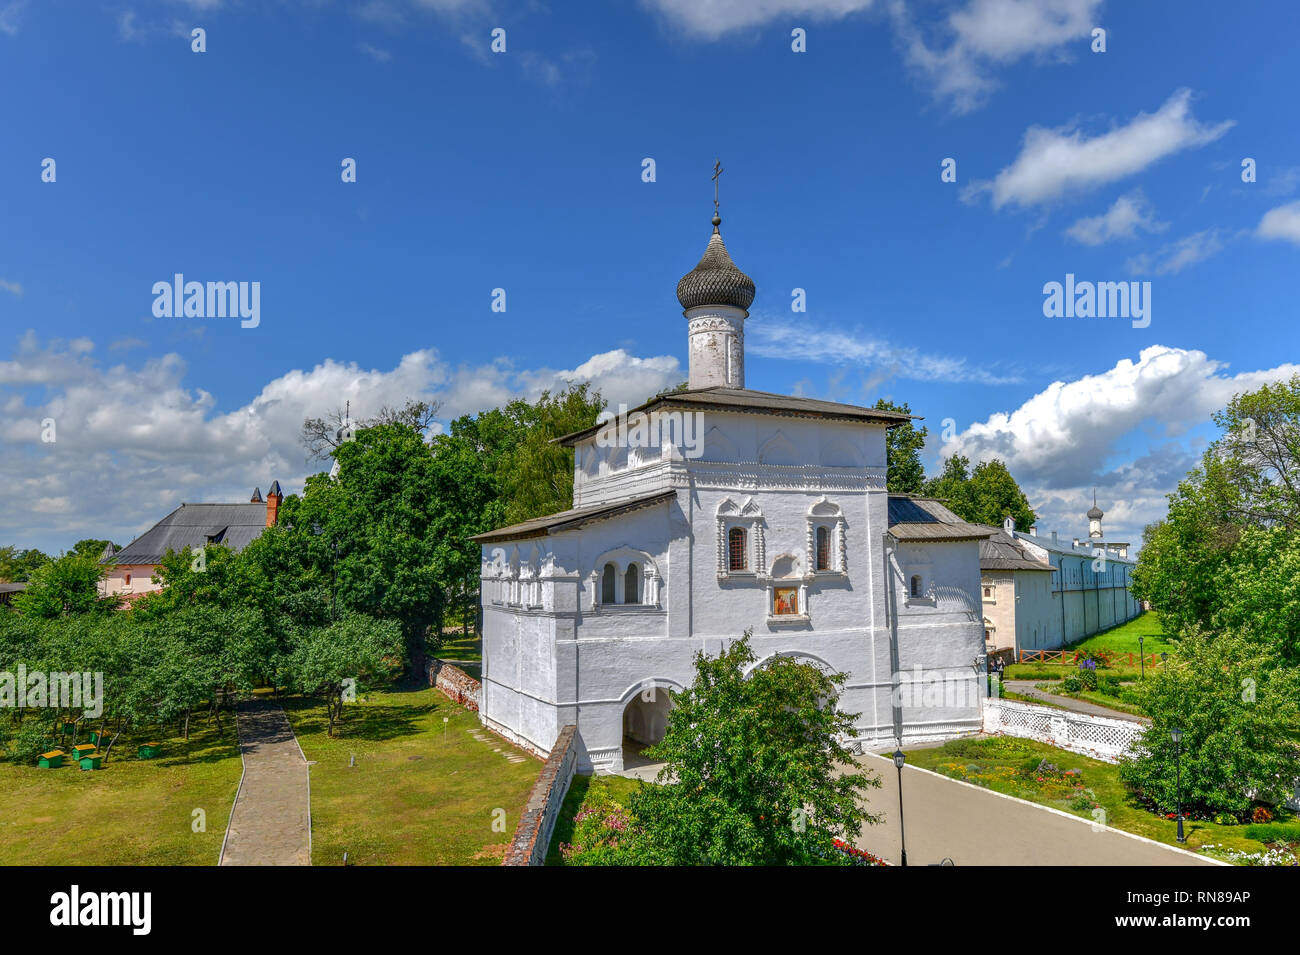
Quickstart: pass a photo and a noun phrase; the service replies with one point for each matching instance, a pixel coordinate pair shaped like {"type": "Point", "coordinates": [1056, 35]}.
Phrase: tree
{"type": "Point", "coordinates": [320, 436]}
{"type": "Point", "coordinates": [750, 775]}
{"type": "Point", "coordinates": [91, 547]}
{"type": "Point", "coordinates": [986, 495]}
{"type": "Point", "coordinates": [903, 444]}
{"type": "Point", "coordinates": [1238, 706]}
{"type": "Point", "coordinates": [355, 647]}
{"type": "Point", "coordinates": [69, 584]}
{"type": "Point", "coordinates": [16, 566]}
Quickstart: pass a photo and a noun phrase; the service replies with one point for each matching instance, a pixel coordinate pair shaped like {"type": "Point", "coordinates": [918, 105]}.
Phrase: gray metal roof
{"type": "Point", "coordinates": [927, 519]}
{"type": "Point", "coordinates": [12, 587]}
{"type": "Point", "coordinates": [1001, 552]}
{"type": "Point", "coordinates": [715, 280]}
{"type": "Point", "coordinates": [758, 402]}
{"type": "Point", "coordinates": [192, 526]}
{"type": "Point", "coordinates": [566, 520]}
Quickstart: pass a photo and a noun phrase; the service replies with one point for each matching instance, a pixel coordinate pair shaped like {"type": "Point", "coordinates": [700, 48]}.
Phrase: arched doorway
{"type": "Point", "coordinates": [645, 721]}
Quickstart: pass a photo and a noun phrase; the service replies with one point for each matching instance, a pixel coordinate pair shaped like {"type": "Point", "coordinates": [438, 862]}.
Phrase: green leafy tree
{"type": "Point", "coordinates": [903, 445]}
{"type": "Point", "coordinates": [1238, 706]}
{"type": "Point", "coordinates": [755, 769]}
{"type": "Point", "coordinates": [355, 647]}
{"type": "Point", "coordinates": [16, 566]}
{"type": "Point", "coordinates": [986, 495]}
{"type": "Point", "coordinates": [67, 585]}
{"type": "Point", "coordinates": [91, 547]}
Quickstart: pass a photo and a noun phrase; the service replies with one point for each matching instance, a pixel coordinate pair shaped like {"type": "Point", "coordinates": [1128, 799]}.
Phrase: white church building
{"type": "Point", "coordinates": [715, 510]}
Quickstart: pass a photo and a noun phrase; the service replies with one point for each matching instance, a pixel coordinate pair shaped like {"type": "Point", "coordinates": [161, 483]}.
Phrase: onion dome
{"type": "Point", "coordinates": [716, 280]}
{"type": "Point", "coordinates": [1095, 513]}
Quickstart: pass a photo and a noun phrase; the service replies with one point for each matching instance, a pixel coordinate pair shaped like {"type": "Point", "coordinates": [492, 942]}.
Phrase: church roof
{"type": "Point", "coordinates": [1095, 513]}
{"type": "Point", "coordinates": [926, 519]}
{"type": "Point", "coordinates": [715, 280]}
{"type": "Point", "coordinates": [575, 517]}
{"type": "Point", "coordinates": [1002, 552]}
{"type": "Point", "coordinates": [758, 402]}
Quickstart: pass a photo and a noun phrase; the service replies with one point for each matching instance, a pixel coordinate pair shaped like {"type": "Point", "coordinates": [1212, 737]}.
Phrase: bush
{"type": "Point", "coordinates": [1225, 819]}
{"type": "Point", "coordinates": [1072, 684]}
{"type": "Point", "coordinates": [29, 741]}
{"type": "Point", "coordinates": [1088, 677]}
{"type": "Point", "coordinates": [1261, 815]}
{"type": "Point", "coordinates": [1109, 685]}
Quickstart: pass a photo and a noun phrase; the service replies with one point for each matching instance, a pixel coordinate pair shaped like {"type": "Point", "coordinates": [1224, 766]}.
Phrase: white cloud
{"type": "Point", "coordinates": [1178, 255]}
{"type": "Point", "coordinates": [1281, 223]}
{"type": "Point", "coordinates": [1074, 435]}
{"type": "Point", "coordinates": [1055, 162]}
{"type": "Point", "coordinates": [9, 16]}
{"type": "Point", "coordinates": [781, 338]}
{"type": "Point", "coordinates": [134, 440]}
{"type": "Point", "coordinates": [1123, 220]}
{"type": "Point", "coordinates": [984, 34]}
{"type": "Point", "coordinates": [375, 53]}
{"type": "Point", "coordinates": [710, 19]}
{"type": "Point", "coordinates": [11, 287]}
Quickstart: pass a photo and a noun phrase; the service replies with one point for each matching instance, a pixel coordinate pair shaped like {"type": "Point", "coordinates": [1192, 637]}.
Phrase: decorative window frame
{"type": "Point", "coordinates": [749, 518]}
{"type": "Point", "coordinates": [652, 582]}
{"type": "Point", "coordinates": [992, 596]}
{"type": "Point", "coordinates": [827, 514]}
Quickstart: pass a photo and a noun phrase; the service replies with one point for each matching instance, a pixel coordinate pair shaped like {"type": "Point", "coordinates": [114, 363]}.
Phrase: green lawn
{"type": "Point", "coordinates": [458, 647]}
{"type": "Point", "coordinates": [130, 812]}
{"type": "Point", "coordinates": [1120, 640]}
{"type": "Point", "coordinates": [421, 793]}
{"type": "Point", "coordinates": [997, 763]}
{"type": "Point", "coordinates": [617, 788]}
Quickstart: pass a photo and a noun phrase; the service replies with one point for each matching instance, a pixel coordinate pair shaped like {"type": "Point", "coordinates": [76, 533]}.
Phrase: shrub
{"type": "Point", "coordinates": [1261, 815]}
{"type": "Point", "coordinates": [1072, 684]}
{"type": "Point", "coordinates": [1109, 685]}
{"type": "Point", "coordinates": [1225, 819]}
{"type": "Point", "coordinates": [29, 741]}
{"type": "Point", "coordinates": [1088, 677]}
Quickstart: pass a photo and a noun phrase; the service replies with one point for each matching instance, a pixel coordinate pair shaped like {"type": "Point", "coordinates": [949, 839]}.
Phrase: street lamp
{"type": "Point", "coordinates": [899, 760]}
{"type": "Point", "coordinates": [1177, 734]}
{"type": "Point", "coordinates": [1164, 658]}
{"type": "Point", "coordinates": [1142, 659]}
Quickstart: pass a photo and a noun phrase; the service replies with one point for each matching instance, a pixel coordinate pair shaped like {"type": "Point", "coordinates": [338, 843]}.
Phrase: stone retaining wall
{"type": "Point", "coordinates": [533, 835]}
{"type": "Point", "coordinates": [456, 683]}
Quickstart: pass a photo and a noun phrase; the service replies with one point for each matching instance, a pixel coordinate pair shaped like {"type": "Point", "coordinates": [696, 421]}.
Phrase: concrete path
{"type": "Point", "coordinates": [949, 819]}
{"type": "Point", "coordinates": [1029, 688]}
{"type": "Point", "coordinates": [270, 823]}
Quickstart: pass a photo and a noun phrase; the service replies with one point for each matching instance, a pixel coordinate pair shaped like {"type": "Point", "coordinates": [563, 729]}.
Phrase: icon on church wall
{"type": "Point", "coordinates": [786, 600]}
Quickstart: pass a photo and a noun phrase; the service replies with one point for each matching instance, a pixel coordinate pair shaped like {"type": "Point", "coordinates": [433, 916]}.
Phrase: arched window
{"type": "Point", "coordinates": [823, 548]}
{"type": "Point", "coordinates": [630, 587]}
{"type": "Point", "coordinates": [916, 585]}
{"type": "Point", "coordinates": [607, 581]}
{"type": "Point", "coordinates": [128, 580]}
{"type": "Point", "coordinates": [736, 548]}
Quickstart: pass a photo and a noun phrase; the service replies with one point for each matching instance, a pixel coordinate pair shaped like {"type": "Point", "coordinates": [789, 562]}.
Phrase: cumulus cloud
{"type": "Point", "coordinates": [710, 19]}
{"type": "Point", "coordinates": [131, 441]}
{"type": "Point", "coordinates": [1074, 435]}
{"type": "Point", "coordinates": [1281, 223]}
{"type": "Point", "coordinates": [1056, 162]}
{"type": "Point", "coordinates": [1129, 215]}
{"type": "Point", "coordinates": [781, 338]}
{"type": "Point", "coordinates": [1178, 255]}
{"type": "Point", "coordinates": [12, 288]}
{"type": "Point", "coordinates": [984, 34]}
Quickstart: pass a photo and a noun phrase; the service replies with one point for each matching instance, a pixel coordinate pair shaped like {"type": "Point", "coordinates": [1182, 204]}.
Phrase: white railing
{"type": "Point", "coordinates": [1096, 736]}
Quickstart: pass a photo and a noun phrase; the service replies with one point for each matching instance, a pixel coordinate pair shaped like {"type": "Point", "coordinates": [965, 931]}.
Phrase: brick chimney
{"type": "Point", "coordinates": [273, 499]}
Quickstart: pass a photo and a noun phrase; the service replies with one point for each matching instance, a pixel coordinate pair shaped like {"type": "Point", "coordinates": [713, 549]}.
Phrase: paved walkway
{"type": "Point", "coordinates": [271, 820]}
{"type": "Point", "coordinates": [1029, 688]}
{"type": "Point", "coordinates": [972, 826]}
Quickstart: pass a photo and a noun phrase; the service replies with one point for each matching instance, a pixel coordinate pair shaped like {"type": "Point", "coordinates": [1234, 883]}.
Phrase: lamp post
{"type": "Point", "coordinates": [899, 760]}
{"type": "Point", "coordinates": [1177, 734]}
{"type": "Point", "coordinates": [1142, 659]}
{"type": "Point", "coordinates": [1164, 658]}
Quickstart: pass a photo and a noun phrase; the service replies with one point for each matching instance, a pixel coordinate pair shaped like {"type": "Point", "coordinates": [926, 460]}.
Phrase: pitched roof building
{"type": "Point", "coordinates": [190, 527]}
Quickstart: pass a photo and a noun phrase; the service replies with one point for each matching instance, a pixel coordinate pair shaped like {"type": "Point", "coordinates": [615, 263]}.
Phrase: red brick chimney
{"type": "Point", "coordinates": [273, 499]}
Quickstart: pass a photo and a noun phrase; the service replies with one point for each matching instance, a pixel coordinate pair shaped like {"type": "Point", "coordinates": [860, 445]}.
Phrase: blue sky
{"type": "Point", "coordinates": [522, 170]}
